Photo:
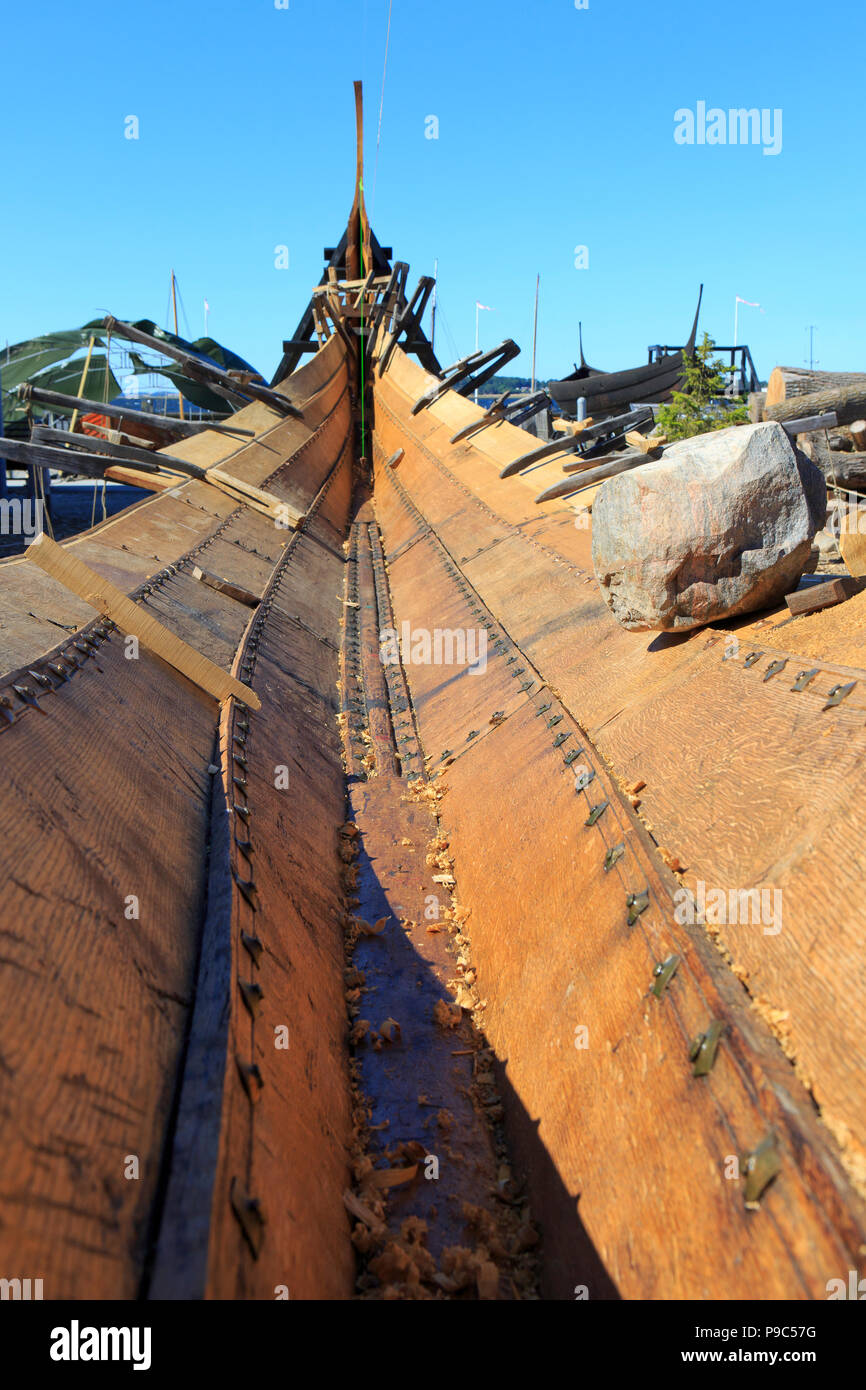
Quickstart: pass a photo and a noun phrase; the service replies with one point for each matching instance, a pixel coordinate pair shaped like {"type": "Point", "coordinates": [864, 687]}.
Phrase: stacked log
{"type": "Point", "coordinates": [845, 471]}
{"type": "Point", "coordinates": [848, 402]}
{"type": "Point", "coordinates": [788, 382]}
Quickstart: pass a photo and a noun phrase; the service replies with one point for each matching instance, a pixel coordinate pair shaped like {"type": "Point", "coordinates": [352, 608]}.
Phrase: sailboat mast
{"type": "Point", "coordinates": [535, 328]}
{"type": "Point", "coordinates": [176, 332]}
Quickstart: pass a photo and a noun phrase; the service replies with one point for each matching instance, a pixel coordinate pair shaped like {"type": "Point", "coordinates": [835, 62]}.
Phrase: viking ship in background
{"type": "Point", "coordinates": [331, 973]}
{"type": "Point", "coordinates": [608, 392]}
{"type": "Point", "coordinates": [582, 370]}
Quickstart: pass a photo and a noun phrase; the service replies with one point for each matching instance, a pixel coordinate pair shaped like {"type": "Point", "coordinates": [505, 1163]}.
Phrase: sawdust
{"type": "Point", "coordinates": [778, 1021]}
{"type": "Point", "coordinates": [853, 1154]}
{"type": "Point", "coordinates": [502, 1259]}
{"type": "Point", "coordinates": [835, 634]}
{"type": "Point", "coordinates": [447, 1015]}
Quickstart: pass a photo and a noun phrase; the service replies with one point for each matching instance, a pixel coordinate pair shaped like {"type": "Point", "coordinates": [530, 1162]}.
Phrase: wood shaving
{"type": "Point", "coordinates": [392, 1177]}
{"type": "Point", "coordinates": [447, 1015]}
{"type": "Point", "coordinates": [370, 928]}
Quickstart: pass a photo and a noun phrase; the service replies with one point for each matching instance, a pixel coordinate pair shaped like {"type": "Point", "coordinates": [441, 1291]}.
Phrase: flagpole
{"type": "Point", "coordinates": [735, 376]}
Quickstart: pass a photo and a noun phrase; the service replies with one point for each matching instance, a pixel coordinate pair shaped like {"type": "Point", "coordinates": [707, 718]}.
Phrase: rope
{"type": "Point", "coordinates": [381, 104]}
{"type": "Point", "coordinates": [40, 488]}
{"type": "Point", "coordinates": [446, 328]}
{"type": "Point", "coordinates": [182, 309]}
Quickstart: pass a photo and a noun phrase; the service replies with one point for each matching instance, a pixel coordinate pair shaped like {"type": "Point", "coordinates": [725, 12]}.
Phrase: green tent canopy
{"type": "Point", "coordinates": [207, 348]}
{"type": "Point", "coordinates": [38, 360]}
{"type": "Point", "coordinates": [55, 362]}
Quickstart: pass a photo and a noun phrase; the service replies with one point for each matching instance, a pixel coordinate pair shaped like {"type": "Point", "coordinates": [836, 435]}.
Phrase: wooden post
{"type": "Point", "coordinates": [80, 392]}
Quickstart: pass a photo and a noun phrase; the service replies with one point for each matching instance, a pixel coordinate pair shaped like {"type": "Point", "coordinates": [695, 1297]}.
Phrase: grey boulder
{"type": "Point", "coordinates": [721, 524]}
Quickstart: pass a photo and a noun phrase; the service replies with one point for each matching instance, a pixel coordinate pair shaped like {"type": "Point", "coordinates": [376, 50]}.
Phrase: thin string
{"type": "Point", "coordinates": [40, 485]}
{"type": "Point", "coordinates": [382, 104]}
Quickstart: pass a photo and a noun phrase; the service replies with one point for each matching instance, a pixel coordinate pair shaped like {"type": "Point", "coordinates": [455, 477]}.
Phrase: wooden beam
{"type": "Point", "coordinates": [223, 586]}
{"type": "Point", "coordinates": [817, 596]}
{"type": "Point", "coordinates": [132, 618]}
{"type": "Point", "coordinates": [151, 482]}
{"type": "Point", "coordinates": [88, 465]}
{"type": "Point", "coordinates": [89, 444]}
{"type": "Point", "coordinates": [264, 502]}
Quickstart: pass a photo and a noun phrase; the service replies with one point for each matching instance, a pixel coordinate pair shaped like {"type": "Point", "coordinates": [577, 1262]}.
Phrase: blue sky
{"type": "Point", "coordinates": [556, 130]}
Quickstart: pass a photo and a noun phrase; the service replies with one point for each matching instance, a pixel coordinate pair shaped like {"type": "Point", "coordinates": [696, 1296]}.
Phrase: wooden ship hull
{"type": "Point", "coordinates": [190, 1103]}
{"type": "Point", "coordinates": [614, 391]}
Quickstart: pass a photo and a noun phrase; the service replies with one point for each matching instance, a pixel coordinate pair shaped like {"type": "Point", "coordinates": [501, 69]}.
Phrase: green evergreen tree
{"type": "Point", "coordinates": [701, 405]}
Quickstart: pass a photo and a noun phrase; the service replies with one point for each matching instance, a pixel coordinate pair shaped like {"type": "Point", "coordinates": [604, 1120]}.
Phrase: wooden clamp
{"type": "Point", "coordinates": [614, 426]}
{"type": "Point", "coordinates": [564, 445]}
{"type": "Point", "coordinates": [409, 318]}
{"type": "Point", "coordinates": [514, 412]}
{"type": "Point", "coordinates": [93, 458]}
{"type": "Point", "coordinates": [648, 444]}
{"type": "Point", "coordinates": [83, 463]}
{"type": "Point", "coordinates": [577, 481]}
{"type": "Point", "coordinates": [562, 426]}
{"type": "Point", "coordinates": [390, 305]}
{"type": "Point", "coordinates": [468, 374]}
{"type": "Point", "coordinates": [131, 617]}
{"type": "Point", "coordinates": [112, 451]}
{"type": "Point", "coordinates": [207, 373]}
